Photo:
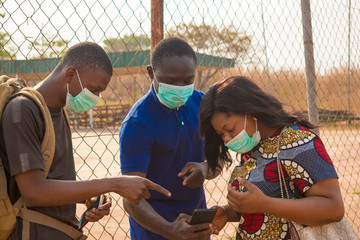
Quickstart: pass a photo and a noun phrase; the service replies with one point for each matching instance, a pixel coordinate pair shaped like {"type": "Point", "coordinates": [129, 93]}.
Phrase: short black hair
{"type": "Point", "coordinates": [86, 55]}
{"type": "Point", "coordinates": [169, 47]}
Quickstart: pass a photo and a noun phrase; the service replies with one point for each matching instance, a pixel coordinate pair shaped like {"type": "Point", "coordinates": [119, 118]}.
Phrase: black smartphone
{"type": "Point", "coordinates": [99, 201]}
{"type": "Point", "coordinates": [202, 216]}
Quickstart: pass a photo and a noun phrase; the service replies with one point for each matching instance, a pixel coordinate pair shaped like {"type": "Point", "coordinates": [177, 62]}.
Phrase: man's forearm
{"type": "Point", "coordinates": [147, 217]}
{"type": "Point", "coordinates": [37, 191]}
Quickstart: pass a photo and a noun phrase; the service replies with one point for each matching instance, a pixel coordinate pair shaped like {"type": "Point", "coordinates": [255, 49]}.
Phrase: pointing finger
{"type": "Point", "coordinates": [158, 188]}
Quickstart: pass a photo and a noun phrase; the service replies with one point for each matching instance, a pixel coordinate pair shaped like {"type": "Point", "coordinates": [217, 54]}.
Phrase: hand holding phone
{"type": "Point", "coordinates": [202, 216]}
{"type": "Point", "coordinates": [99, 201]}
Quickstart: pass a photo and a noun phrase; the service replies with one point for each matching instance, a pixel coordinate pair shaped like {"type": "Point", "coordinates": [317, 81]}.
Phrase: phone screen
{"type": "Point", "coordinates": [96, 204]}
{"type": "Point", "coordinates": [202, 216]}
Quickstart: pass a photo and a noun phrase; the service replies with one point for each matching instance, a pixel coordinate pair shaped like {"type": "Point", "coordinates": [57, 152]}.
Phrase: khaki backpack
{"type": "Point", "coordinates": [10, 88]}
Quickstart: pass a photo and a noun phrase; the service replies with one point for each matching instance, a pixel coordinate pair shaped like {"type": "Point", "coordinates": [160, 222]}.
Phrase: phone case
{"type": "Point", "coordinates": [202, 216]}
{"type": "Point", "coordinates": [96, 204]}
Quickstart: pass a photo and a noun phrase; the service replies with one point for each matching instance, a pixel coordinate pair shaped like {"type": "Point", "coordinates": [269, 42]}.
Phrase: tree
{"type": "Point", "coordinates": [129, 42]}
{"type": "Point", "coordinates": [6, 52]}
{"type": "Point", "coordinates": [49, 46]}
{"type": "Point", "coordinates": [226, 41]}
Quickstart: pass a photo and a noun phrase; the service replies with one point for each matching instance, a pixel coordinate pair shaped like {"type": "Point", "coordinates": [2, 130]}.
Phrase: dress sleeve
{"type": "Point", "coordinates": [23, 128]}
{"type": "Point", "coordinates": [135, 147]}
{"type": "Point", "coordinates": [310, 164]}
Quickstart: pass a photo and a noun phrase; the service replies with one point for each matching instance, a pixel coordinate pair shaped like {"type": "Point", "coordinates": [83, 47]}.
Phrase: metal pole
{"type": "Point", "coordinates": [309, 64]}
{"type": "Point", "coordinates": [157, 22]}
{"type": "Point", "coordinates": [349, 59]}
{"type": "Point", "coordinates": [265, 44]}
{"type": "Point", "coordinates": [91, 117]}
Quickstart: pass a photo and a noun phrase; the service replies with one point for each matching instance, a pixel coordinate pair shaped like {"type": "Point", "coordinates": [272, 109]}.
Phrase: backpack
{"type": "Point", "coordinates": [10, 88]}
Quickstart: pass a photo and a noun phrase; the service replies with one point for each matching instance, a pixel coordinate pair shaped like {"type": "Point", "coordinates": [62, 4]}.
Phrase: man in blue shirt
{"type": "Point", "coordinates": [160, 140]}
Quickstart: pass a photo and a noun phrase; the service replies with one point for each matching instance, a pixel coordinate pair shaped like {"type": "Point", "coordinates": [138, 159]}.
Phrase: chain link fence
{"type": "Point", "coordinates": [257, 38]}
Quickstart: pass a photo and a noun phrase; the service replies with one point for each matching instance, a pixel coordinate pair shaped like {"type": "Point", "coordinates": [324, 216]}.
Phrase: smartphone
{"type": "Point", "coordinates": [202, 216]}
{"type": "Point", "coordinates": [99, 201]}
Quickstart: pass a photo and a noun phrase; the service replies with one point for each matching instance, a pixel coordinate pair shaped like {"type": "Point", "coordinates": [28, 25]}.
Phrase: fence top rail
{"type": "Point", "coordinates": [119, 60]}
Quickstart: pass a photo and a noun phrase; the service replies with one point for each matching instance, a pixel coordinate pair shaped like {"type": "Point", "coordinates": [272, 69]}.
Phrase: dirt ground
{"type": "Point", "coordinates": [97, 157]}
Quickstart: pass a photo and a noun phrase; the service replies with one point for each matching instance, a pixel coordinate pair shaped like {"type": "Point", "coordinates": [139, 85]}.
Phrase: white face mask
{"type": "Point", "coordinates": [82, 102]}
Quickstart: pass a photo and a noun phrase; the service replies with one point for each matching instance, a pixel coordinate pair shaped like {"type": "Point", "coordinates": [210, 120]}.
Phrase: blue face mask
{"type": "Point", "coordinates": [242, 143]}
{"type": "Point", "coordinates": [173, 96]}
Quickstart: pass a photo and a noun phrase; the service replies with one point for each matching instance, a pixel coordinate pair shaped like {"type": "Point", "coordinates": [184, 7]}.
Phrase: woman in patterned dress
{"type": "Point", "coordinates": [237, 115]}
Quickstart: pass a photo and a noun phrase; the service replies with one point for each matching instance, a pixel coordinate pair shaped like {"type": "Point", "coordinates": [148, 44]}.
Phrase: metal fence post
{"type": "Point", "coordinates": [157, 22]}
{"type": "Point", "coordinates": [309, 64]}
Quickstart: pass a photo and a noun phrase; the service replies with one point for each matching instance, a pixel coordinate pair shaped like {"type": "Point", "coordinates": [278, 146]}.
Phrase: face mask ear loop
{"type": "Point", "coordinates": [245, 122]}
{"type": "Point", "coordinates": [67, 87]}
{"type": "Point", "coordinates": [156, 82]}
{"type": "Point", "coordinates": [256, 124]}
{"type": "Point", "coordinates": [79, 78]}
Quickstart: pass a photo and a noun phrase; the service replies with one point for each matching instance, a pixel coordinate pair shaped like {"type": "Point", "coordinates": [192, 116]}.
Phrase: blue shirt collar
{"type": "Point", "coordinates": [165, 108]}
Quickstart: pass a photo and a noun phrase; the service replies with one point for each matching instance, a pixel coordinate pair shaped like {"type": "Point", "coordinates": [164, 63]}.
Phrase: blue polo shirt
{"type": "Point", "coordinates": [159, 141]}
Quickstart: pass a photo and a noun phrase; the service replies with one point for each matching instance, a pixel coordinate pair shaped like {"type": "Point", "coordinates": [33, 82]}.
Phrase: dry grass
{"type": "Point", "coordinates": [287, 85]}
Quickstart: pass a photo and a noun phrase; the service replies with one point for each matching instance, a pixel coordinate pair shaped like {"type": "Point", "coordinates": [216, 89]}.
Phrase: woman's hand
{"type": "Point", "coordinates": [251, 201]}
{"type": "Point", "coordinates": [220, 219]}
{"type": "Point", "coordinates": [97, 214]}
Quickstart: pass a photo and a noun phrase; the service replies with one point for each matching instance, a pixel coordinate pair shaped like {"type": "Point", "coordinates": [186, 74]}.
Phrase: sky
{"type": "Point", "coordinates": [275, 26]}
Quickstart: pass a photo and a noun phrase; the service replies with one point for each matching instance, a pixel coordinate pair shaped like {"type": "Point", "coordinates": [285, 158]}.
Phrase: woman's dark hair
{"type": "Point", "coordinates": [239, 95]}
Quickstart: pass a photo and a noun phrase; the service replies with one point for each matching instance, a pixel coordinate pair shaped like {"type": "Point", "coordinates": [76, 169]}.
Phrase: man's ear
{"type": "Point", "coordinates": [150, 71]}
{"type": "Point", "coordinates": [70, 73]}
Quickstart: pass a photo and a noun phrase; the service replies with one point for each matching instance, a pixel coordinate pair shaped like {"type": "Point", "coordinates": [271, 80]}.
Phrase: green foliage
{"type": "Point", "coordinates": [129, 42]}
{"type": "Point", "coordinates": [226, 41]}
{"type": "Point", "coordinates": [6, 51]}
{"type": "Point", "coordinates": [2, 15]}
{"type": "Point", "coordinates": [49, 46]}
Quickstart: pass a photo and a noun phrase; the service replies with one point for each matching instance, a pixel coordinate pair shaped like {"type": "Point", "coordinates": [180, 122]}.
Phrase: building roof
{"type": "Point", "coordinates": [134, 62]}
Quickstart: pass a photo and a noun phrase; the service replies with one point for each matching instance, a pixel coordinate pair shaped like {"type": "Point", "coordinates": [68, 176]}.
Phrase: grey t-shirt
{"type": "Point", "coordinates": [21, 133]}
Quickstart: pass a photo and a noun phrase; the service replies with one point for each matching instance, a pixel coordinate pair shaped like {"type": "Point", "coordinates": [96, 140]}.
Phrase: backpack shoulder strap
{"type": "Point", "coordinates": [48, 143]}
{"type": "Point", "coordinates": [3, 182]}
{"type": "Point", "coordinates": [36, 217]}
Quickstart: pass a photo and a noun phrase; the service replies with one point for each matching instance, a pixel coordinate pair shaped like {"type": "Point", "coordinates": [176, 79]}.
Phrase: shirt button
{"type": "Point", "coordinates": [182, 123]}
